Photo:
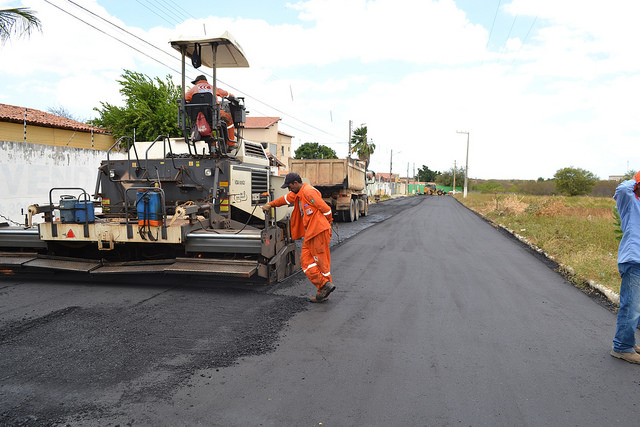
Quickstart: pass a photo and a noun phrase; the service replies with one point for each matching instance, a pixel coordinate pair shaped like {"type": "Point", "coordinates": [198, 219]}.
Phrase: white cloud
{"type": "Point", "coordinates": [414, 31]}
{"type": "Point", "coordinates": [67, 64]}
{"type": "Point", "coordinates": [415, 71]}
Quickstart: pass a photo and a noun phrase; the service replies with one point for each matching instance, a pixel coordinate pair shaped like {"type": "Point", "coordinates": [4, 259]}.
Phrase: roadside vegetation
{"type": "Point", "coordinates": [580, 233]}
{"type": "Point", "coordinates": [150, 108]}
{"type": "Point", "coordinates": [572, 218]}
{"type": "Point", "coordinates": [362, 145]}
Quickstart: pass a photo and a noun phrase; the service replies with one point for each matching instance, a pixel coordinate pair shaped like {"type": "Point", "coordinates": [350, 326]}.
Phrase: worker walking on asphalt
{"type": "Point", "coordinates": [628, 203]}
{"type": "Point", "coordinates": [311, 219]}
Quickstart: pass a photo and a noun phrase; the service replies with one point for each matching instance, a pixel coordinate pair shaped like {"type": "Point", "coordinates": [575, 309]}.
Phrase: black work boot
{"type": "Point", "coordinates": [326, 290]}
{"type": "Point", "coordinates": [323, 293]}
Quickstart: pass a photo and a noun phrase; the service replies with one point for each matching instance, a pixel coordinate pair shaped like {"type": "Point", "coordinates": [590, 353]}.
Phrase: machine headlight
{"type": "Point", "coordinates": [207, 171]}
{"type": "Point", "coordinates": [112, 173]}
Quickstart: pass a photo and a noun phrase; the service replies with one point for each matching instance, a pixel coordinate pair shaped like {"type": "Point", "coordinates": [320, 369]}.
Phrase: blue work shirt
{"type": "Point", "coordinates": [629, 210]}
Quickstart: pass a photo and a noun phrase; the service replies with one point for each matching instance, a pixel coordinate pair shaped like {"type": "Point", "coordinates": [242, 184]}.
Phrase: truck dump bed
{"type": "Point", "coordinates": [348, 174]}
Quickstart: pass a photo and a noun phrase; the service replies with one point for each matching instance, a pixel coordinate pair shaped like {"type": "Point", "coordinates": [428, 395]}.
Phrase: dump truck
{"type": "Point", "coordinates": [174, 206]}
{"type": "Point", "coordinates": [342, 183]}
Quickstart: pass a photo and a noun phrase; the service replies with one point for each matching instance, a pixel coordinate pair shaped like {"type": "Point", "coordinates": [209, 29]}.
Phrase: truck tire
{"type": "Point", "coordinates": [356, 210]}
{"type": "Point", "coordinates": [352, 211]}
{"type": "Point", "coordinates": [365, 211]}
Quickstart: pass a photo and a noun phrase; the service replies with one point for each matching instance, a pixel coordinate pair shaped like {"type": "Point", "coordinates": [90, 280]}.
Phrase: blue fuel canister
{"type": "Point", "coordinates": [84, 212]}
{"type": "Point", "coordinates": [67, 208]}
{"type": "Point", "coordinates": [149, 207]}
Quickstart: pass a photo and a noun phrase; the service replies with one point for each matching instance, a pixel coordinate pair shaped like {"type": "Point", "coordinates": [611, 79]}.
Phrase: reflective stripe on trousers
{"type": "Point", "coordinates": [316, 259]}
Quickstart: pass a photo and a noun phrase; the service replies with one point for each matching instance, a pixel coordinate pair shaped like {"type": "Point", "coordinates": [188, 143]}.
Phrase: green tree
{"type": "Point", "coordinates": [427, 175]}
{"type": "Point", "coordinates": [313, 150]}
{"type": "Point", "coordinates": [150, 108]}
{"type": "Point", "coordinates": [446, 178]}
{"type": "Point", "coordinates": [629, 175]}
{"type": "Point", "coordinates": [20, 21]}
{"type": "Point", "coordinates": [361, 145]}
{"type": "Point", "coordinates": [574, 181]}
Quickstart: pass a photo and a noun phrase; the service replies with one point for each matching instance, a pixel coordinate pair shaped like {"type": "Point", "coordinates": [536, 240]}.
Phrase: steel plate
{"type": "Point", "coordinates": [8, 259]}
{"type": "Point", "coordinates": [133, 267]}
{"type": "Point", "coordinates": [215, 267]}
{"type": "Point", "coordinates": [63, 264]}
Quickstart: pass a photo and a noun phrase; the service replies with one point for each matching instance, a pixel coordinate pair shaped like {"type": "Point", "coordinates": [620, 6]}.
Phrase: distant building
{"type": "Point", "coordinates": [21, 124]}
{"type": "Point", "coordinates": [616, 177]}
{"type": "Point", "coordinates": [384, 177]}
{"type": "Point", "coordinates": [265, 131]}
{"type": "Point", "coordinates": [40, 151]}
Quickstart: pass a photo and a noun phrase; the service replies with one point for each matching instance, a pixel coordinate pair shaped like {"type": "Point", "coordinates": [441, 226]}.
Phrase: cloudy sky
{"type": "Point", "coordinates": [538, 84]}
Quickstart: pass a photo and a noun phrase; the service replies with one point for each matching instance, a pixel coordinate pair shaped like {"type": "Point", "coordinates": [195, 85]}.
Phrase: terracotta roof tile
{"type": "Point", "coordinates": [274, 161]}
{"type": "Point", "coordinates": [15, 114]}
{"type": "Point", "coordinates": [260, 122]}
{"type": "Point", "coordinates": [384, 176]}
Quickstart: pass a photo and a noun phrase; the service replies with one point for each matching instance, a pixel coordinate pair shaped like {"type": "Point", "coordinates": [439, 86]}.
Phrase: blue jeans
{"type": "Point", "coordinates": [629, 312]}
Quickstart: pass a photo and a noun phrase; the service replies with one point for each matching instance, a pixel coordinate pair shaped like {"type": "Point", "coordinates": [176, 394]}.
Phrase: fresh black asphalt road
{"type": "Point", "coordinates": [439, 319]}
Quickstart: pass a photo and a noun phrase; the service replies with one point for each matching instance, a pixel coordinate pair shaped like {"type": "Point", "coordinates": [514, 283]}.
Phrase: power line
{"type": "Point", "coordinates": [117, 26]}
{"type": "Point", "coordinates": [494, 21]}
{"type": "Point", "coordinates": [184, 12]}
{"type": "Point", "coordinates": [511, 29]}
{"type": "Point", "coordinates": [165, 10]}
{"type": "Point", "coordinates": [109, 35]}
{"type": "Point", "coordinates": [526, 36]}
{"type": "Point", "coordinates": [173, 57]}
{"type": "Point", "coordinates": [156, 13]}
{"type": "Point", "coordinates": [530, 28]}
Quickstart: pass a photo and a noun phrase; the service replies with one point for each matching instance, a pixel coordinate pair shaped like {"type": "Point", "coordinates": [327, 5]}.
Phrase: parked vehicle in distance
{"type": "Point", "coordinates": [342, 183]}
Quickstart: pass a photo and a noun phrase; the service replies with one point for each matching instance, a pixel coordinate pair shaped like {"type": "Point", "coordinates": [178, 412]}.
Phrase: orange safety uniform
{"type": "Point", "coordinates": [311, 219]}
{"type": "Point", "coordinates": [202, 86]}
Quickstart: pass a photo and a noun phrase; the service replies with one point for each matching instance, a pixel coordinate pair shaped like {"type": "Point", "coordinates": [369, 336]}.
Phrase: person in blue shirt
{"type": "Point", "coordinates": [627, 198]}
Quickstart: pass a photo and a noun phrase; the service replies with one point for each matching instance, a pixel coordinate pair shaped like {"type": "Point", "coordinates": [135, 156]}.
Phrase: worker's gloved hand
{"type": "Point", "coordinates": [266, 207]}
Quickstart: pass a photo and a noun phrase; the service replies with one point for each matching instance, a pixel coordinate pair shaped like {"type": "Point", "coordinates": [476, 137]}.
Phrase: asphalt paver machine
{"type": "Point", "coordinates": [189, 205]}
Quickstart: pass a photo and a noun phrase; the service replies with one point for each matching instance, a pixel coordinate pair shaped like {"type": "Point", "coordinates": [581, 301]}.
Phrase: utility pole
{"type": "Point", "coordinates": [391, 171]}
{"type": "Point", "coordinates": [466, 168]}
{"type": "Point", "coordinates": [415, 180]}
{"type": "Point", "coordinates": [407, 179]}
{"type": "Point", "coordinates": [454, 177]}
{"type": "Point", "coordinates": [349, 140]}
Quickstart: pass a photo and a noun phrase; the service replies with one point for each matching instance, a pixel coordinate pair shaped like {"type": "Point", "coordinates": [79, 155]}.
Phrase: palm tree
{"type": "Point", "coordinates": [20, 21]}
{"type": "Point", "coordinates": [361, 145]}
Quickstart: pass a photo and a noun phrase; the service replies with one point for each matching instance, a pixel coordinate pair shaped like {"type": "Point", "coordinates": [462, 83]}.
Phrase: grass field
{"type": "Point", "coordinates": [579, 232]}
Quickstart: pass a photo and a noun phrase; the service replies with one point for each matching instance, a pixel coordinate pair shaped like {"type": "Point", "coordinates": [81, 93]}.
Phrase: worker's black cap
{"type": "Point", "coordinates": [200, 77]}
{"type": "Point", "coordinates": [291, 177]}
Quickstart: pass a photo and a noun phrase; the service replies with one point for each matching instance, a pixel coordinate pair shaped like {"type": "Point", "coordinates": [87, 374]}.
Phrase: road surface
{"type": "Point", "coordinates": [439, 319]}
